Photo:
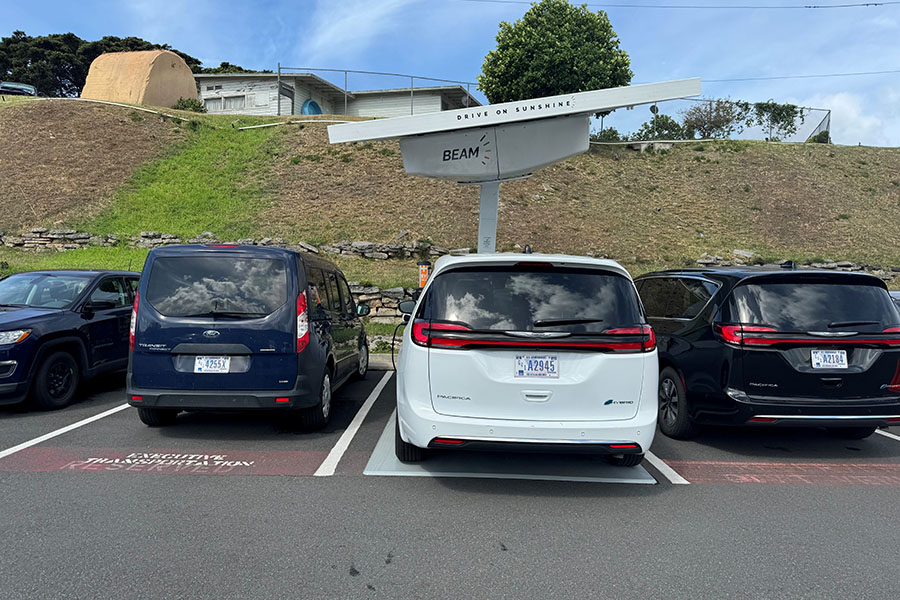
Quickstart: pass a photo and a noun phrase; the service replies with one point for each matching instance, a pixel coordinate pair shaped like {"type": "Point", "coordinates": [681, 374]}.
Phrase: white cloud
{"type": "Point", "coordinates": [858, 119]}
{"type": "Point", "coordinates": [341, 31]}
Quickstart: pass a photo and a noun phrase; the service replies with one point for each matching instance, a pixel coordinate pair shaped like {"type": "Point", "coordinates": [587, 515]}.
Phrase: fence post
{"type": "Point", "coordinates": [345, 92]}
{"type": "Point", "coordinates": [278, 91]}
{"type": "Point", "coordinates": [411, 84]}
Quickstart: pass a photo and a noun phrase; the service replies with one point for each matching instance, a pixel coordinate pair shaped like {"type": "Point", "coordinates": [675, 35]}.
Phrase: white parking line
{"type": "Point", "coordinates": [888, 434]}
{"type": "Point", "coordinates": [326, 469]}
{"type": "Point", "coordinates": [665, 470]}
{"type": "Point", "coordinates": [66, 429]}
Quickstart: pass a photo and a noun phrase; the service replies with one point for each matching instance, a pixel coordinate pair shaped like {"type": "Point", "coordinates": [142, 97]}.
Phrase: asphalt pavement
{"type": "Point", "coordinates": [231, 506]}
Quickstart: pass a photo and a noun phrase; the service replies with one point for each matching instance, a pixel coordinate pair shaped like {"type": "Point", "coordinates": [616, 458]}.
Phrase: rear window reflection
{"type": "Point", "coordinates": [217, 286]}
{"type": "Point", "coordinates": [515, 300]}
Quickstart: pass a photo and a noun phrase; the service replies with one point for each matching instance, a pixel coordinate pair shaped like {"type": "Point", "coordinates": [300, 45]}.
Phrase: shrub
{"type": "Point", "coordinates": [191, 104]}
{"type": "Point", "coordinates": [823, 137]}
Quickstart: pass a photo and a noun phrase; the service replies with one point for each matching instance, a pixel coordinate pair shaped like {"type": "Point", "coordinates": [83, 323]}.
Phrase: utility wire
{"type": "Point", "coordinates": [703, 7]}
{"type": "Point", "coordinates": [800, 76]}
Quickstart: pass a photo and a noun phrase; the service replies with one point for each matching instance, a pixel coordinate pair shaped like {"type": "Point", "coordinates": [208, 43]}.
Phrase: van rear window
{"type": "Point", "coordinates": [809, 305]}
{"type": "Point", "coordinates": [217, 286]}
{"type": "Point", "coordinates": [534, 299]}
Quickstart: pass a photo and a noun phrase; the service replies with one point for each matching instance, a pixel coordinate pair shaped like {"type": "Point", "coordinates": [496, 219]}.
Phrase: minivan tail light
{"type": "Point", "coordinates": [429, 334]}
{"type": "Point", "coordinates": [737, 334]}
{"type": "Point", "coordinates": [133, 326]}
{"type": "Point", "coordinates": [302, 323]}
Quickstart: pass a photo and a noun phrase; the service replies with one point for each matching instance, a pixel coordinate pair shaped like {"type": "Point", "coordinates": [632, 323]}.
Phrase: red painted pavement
{"type": "Point", "coordinates": [175, 462]}
{"type": "Point", "coordinates": [790, 473]}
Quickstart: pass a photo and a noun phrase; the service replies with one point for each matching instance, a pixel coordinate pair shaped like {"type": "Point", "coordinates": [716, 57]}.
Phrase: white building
{"type": "Point", "coordinates": [305, 93]}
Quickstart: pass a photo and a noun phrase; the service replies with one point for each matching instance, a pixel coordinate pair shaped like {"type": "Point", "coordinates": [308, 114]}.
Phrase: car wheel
{"type": "Point", "coordinates": [406, 452]}
{"type": "Point", "coordinates": [55, 382]}
{"type": "Point", "coordinates": [852, 433]}
{"type": "Point", "coordinates": [362, 366]}
{"type": "Point", "coordinates": [625, 460]}
{"type": "Point", "coordinates": [674, 420]}
{"type": "Point", "coordinates": [316, 417]}
{"type": "Point", "coordinates": [157, 417]}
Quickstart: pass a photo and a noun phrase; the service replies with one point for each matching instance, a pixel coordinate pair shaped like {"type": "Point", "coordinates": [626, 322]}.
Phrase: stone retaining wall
{"type": "Point", "coordinates": [746, 257]}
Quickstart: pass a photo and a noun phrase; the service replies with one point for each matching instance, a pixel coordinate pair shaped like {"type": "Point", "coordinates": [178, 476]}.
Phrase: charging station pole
{"type": "Point", "coordinates": [487, 217]}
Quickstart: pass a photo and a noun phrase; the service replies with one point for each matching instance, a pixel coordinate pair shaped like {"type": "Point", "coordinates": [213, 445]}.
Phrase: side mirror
{"type": "Point", "coordinates": [98, 305]}
{"type": "Point", "coordinates": [407, 306]}
{"type": "Point", "coordinates": [363, 309]}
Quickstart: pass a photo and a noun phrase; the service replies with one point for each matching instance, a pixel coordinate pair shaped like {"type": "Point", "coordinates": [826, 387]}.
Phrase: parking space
{"type": "Point", "coordinates": [258, 523]}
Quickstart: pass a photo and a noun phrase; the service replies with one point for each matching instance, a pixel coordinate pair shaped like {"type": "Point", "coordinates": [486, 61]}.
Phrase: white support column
{"type": "Point", "coordinates": [487, 217]}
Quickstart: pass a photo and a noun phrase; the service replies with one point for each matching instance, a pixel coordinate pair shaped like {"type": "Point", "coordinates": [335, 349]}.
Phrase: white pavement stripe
{"type": "Point", "coordinates": [888, 434]}
{"type": "Point", "coordinates": [665, 470]}
{"type": "Point", "coordinates": [326, 469]}
{"type": "Point", "coordinates": [66, 429]}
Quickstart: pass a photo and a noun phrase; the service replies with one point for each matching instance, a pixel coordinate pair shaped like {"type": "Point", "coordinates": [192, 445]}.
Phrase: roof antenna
{"type": "Point", "coordinates": [528, 249]}
{"type": "Point", "coordinates": [789, 264]}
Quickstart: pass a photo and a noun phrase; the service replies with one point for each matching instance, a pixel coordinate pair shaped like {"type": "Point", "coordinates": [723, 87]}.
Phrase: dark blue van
{"type": "Point", "coordinates": [242, 328]}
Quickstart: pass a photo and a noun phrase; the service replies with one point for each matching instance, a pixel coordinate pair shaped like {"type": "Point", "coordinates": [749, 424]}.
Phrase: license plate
{"type": "Point", "coordinates": [546, 366]}
{"type": "Point", "coordinates": [829, 359]}
{"type": "Point", "coordinates": [211, 364]}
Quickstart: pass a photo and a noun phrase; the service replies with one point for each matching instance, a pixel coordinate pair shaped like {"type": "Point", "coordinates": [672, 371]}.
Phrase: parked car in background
{"type": "Point", "coordinates": [11, 88]}
{"type": "Point", "coordinates": [224, 327]}
{"type": "Point", "coordinates": [58, 328]}
{"type": "Point", "coordinates": [770, 346]}
{"type": "Point", "coordinates": [896, 297]}
{"type": "Point", "coordinates": [527, 352]}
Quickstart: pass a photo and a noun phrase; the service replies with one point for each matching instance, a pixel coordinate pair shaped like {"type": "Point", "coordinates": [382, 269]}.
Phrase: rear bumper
{"type": "Point", "coordinates": [808, 412]}
{"type": "Point", "coordinates": [305, 393]}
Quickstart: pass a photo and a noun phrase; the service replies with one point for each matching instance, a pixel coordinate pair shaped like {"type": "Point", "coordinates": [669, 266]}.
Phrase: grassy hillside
{"type": "Point", "coordinates": [105, 170]}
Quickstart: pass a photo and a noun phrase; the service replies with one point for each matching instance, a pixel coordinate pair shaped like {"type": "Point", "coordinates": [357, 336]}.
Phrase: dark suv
{"type": "Point", "coordinates": [896, 297]}
{"type": "Point", "coordinates": [769, 346]}
{"type": "Point", "coordinates": [58, 328]}
{"type": "Point", "coordinates": [242, 327]}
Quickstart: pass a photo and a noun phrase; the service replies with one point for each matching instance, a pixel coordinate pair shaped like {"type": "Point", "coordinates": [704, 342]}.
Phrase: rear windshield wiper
{"type": "Point", "coordinates": [552, 322]}
{"type": "Point", "coordinates": [226, 314]}
{"type": "Point", "coordinates": [851, 323]}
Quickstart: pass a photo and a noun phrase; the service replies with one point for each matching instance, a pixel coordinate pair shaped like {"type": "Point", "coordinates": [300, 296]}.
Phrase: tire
{"type": "Point", "coordinates": [625, 460]}
{"type": "Point", "coordinates": [406, 452]}
{"type": "Point", "coordinates": [674, 420]}
{"type": "Point", "coordinates": [362, 366]}
{"type": "Point", "coordinates": [55, 382]}
{"type": "Point", "coordinates": [852, 433]}
{"type": "Point", "coordinates": [157, 417]}
{"type": "Point", "coordinates": [316, 417]}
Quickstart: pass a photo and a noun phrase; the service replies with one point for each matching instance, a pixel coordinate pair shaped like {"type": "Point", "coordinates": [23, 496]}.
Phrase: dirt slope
{"type": "Point", "coordinates": [61, 159]}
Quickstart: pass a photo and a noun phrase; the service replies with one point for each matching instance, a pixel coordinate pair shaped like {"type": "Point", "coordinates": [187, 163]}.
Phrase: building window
{"type": "Point", "coordinates": [234, 103]}
{"type": "Point", "coordinates": [211, 88]}
{"type": "Point", "coordinates": [213, 104]}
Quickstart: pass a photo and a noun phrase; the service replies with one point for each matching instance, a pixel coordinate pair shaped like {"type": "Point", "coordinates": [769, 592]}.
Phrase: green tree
{"type": "Point", "coordinates": [716, 118]}
{"type": "Point", "coordinates": [555, 48]}
{"type": "Point", "coordinates": [608, 134]}
{"type": "Point", "coordinates": [661, 127]}
{"type": "Point", "coordinates": [227, 67]}
{"type": "Point", "coordinates": [779, 120]}
{"type": "Point", "coordinates": [58, 64]}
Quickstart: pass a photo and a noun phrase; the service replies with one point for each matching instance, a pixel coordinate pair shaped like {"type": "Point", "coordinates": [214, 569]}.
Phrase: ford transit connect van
{"type": "Point", "coordinates": [527, 352]}
{"type": "Point", "coordinates": [241, 327]}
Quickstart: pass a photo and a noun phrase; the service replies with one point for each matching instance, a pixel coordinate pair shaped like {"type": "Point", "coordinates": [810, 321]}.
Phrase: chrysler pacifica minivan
{"type": "Point", "coordinates": [527, 352]}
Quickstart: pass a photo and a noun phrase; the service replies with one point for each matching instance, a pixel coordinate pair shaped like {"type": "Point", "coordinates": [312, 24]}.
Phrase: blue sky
{"type": "Point", "coordinates": [449, 39]}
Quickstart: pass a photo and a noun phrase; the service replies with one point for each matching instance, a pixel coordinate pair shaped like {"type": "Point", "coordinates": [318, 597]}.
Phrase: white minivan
{"type": "Point", "coordinates": [527, 352]}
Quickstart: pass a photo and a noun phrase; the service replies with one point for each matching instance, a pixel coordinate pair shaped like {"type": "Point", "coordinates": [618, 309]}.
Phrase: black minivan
{"type": "Point", "coordinates": [773, 346]}
{"type": "Point", "coordinates": [223, 327]}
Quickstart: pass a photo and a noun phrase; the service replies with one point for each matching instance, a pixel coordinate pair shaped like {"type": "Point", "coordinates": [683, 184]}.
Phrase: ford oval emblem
{"type": "Point", "coordinates": [211, 333]}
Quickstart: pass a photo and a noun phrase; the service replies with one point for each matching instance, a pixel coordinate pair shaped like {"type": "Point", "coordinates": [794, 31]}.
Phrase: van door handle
{"type": "Point", "coordinates": [536, 396]}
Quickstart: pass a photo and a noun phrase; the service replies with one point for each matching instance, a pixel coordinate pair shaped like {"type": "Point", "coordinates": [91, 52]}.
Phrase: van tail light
{"type": "Point", "coordinates": [133, 326]}
{"type": "Point", "coordinates": [745, 335]}
{"type": "Point", "coordinates": [302, 323]}
{"type": "Point", "coordinates": [434, 335]}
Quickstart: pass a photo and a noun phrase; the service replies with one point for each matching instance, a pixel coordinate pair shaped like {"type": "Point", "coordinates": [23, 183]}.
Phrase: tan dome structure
{"type": "Point", "coordinates": [150, 77]}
